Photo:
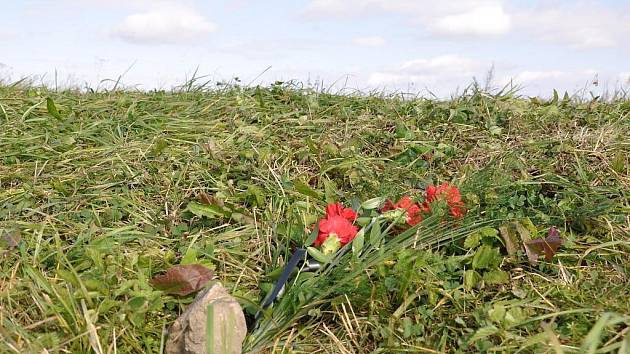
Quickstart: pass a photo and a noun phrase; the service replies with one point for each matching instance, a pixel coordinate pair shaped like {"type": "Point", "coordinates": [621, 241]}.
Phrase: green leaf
{"type": "Point", "coordinates": [357, 243]}
{"type": "Point", "coordinates": [496, 276]}
{"type": "Point", "coordinates": [495, 130]}
{"type": "Point", "coordinates": [529, 225]}
{"type": "Point", "coordinates": [618, 162]}
{"type": "Point", "coordinates": [355, 203]}
{"type": "Point", "coordinates": [372, 203]}
{"type": "Point", "coordinates": [489, 232]}
{"type": "Point", "coordinates": [311, 238]}
{"type": "Point", "coordinates": [566, 99]}
{"type": "Point", "coordinates": [472, 240]}
{"type": "Point", "coordinates": [190, 257]}
{"type": "Point", "coordinates": [52, 109]}
{"type": "Point", "coordinates": [208, 210]}
{"type": "Point", "coordinates": [363, 221]}
{"type": "Point", "coordinates": [318, 255]}
{"type": "Point", "coordinates": [554, 101]}
{"type": "Point", "coordinates": [256, 193]}
{"type": "Point", "coordinates": [497, 313]}
{"type": "Point", "coordinates": [515, 315]}
{"type": "Point", "coordinates": [483, 332]}
{"type": "Point", "coordinates": [486, 257]}
{"type": "Point", "coordinates": [305, 189]}
{"type": "Point", "coordinates": [242, 218]}
{"type": "Point", "coordinates": [68, 276]}
{"type": "Point", "coordinates": [136, 303]}
{"type": "Point", "coordinates": [68, 140]}
{"type": "Point", "coordinates": [471, 279]}
{"type": "Point", "coordinates": [330, 191]}
{"type": "Point", "coordinates": [375, 234]}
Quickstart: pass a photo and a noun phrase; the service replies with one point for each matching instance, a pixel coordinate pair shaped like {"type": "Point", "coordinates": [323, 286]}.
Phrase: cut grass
{"type": "Point", "coordinates": [97, 188]}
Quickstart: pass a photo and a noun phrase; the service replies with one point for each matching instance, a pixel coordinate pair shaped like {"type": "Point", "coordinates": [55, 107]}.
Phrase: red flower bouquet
{"type": "Point", "coordinates": [450, 194]}
{"type": "Point", "coordinates": [413, 210]}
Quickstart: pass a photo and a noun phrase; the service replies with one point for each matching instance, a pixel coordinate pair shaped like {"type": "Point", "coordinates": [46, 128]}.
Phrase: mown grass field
{"type": "Point", "coordinates": [94, 189]}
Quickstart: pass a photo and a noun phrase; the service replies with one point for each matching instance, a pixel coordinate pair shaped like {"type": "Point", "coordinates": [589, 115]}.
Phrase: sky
{"type": "Point", "coordinates": [418, 46]}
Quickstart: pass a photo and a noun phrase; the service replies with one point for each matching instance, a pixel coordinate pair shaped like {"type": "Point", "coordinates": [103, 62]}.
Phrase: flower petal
{"type": "Point", "coordinates": [415, 219]}
{"type": "Point", "coordinates": [431, 192]}
{"type": "Point", "coordinates": [334, 209]}
{"type": "Point", "coordinates": [325, 225]}
{"type": "Point", "coordinates": [389, 205]}
{"type": "Point", "coordinates": [321, 237]}
{"type": "Point", "coordinates": [349, 214]}
{"type": "Point", "coordinates": [457, 212]}
{"type": "Point", "coordinates": [342, 228]}
{"type": "Point", "coordinates": [404, 202]}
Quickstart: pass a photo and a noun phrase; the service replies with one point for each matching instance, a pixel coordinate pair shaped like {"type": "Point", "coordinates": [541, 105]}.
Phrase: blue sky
{"type": "Point", "coordinates": [405, 45]}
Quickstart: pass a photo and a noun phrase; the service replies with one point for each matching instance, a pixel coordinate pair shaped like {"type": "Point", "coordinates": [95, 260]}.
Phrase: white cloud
{"type": "Point", "coordinates": [166, 23]}
{"type": "Point", "coordinates": [371, 41]}
{"type": "Point", "coordinates": [324, 9]}
{"type": "Point", "coordinates": [542, 82]}
{"type": "Point", "coordinates": [464, 18]}
{"type": "Point", "coordinates": [558, 76]}
{"type": "Point", "coordinates": [393, 79]}
{"type": "Point", "coordinates": [481, 21]}
{"type": "Point", "coordinates": [442, 64]}
{"type": "Point", "coordinates": [316, 9]}
{"type": "Point", "coordinates": [580, 25]}
{"type": "Point", "coordinates": [529, 76]}
{"type": "Point", "coordinates": [443, 75]}
{"type": "Point", "coordinates": [447, 70]}
{"type": "Point", "coordinates": [6, 34]}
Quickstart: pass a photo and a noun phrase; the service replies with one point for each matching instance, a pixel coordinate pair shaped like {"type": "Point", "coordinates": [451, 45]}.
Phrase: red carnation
{"type": "Point", "coordinates": [338, 222]}
{"type": "Point", "coordinates": [338, 209]}
{"type": "Point", "coordinates": [450, 194]}
{"type": "Point", "coordinates": [414, 215]}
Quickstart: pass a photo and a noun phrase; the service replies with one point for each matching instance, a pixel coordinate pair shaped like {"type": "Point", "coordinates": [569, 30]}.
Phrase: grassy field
{"type": "Point", "coordinates": [94, 189]}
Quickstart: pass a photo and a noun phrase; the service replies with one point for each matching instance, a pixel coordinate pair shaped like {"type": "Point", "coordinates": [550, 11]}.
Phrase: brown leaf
{"type": "Point", "coordinates": [243, 219]}
{"type": "Point", "coordinates": [10, 240]}
{"type": "Point", "coordinates": [209, 199]}
{"type": "Point", "coordinates": [548, 245]}
{"type": "Point", "coordinates": [183, 279]}
{"type": "Point", "coordinates": [213, 149]}
{"type": "Point", "coordinates": [532, 255]}
{"type": "Point", "coordinates": [510, 238]}
{"type": "Point", "coordinates": [525, 233]}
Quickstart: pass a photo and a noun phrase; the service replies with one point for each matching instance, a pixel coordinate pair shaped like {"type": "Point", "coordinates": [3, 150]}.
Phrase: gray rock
{"type": "Point", "coordinates": [188, 333]}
